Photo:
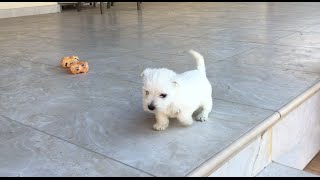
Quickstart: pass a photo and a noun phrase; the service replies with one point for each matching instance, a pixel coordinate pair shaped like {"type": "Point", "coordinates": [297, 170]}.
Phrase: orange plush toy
{"type": "Point", "coordinates": [79, 67]}
{"type": "Point", "coordinates": [67, 61]}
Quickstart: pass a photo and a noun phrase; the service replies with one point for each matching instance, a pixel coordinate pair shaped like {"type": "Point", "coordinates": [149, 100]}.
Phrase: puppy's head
{"type": "Point", "coordinates": [159, 89]}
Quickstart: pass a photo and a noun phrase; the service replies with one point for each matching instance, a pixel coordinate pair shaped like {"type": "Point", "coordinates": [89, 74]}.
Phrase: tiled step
{"type": "Point", "coordinates": [278, 170]}
{"type": "Point", "coordinates": [314, 165]}
{"type": "Point", "coordinates": [292, 140]}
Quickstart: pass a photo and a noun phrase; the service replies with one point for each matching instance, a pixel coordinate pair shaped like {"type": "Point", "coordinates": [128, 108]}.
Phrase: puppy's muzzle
{"type": "Point", "coordinates": [151, 107]}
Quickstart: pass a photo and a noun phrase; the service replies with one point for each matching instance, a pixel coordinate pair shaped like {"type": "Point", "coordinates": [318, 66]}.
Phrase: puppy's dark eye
{"type": "Point", "coordinates": [147, 92]}
{"type": "Point", "coordinates": [163, 95]}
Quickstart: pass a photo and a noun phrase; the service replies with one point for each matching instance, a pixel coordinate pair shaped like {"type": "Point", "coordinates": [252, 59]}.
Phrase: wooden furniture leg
{"type": "Point", "coordinates": [138, 5]}
{"type": "Point", "coordinates": [79, 6]}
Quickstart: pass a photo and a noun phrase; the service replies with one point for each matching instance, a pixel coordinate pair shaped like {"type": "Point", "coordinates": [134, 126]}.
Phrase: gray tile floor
{"type": "Point", "coordinates": [259, 56]}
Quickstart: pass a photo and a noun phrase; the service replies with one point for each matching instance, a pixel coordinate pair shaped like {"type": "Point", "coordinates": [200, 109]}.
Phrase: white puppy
{"type": "Point", "coordinates": [171, 95]}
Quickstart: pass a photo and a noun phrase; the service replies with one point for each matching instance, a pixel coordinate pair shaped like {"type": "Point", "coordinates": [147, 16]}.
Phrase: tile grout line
{"type": "Point", "coordinates": [261, 45]}
{"type": "Point", "coordinates": [38, 130]}
{"type": "Point", "coordinates": [37, 62]}
{"type": "Point", "coordinates": [317, 81]}
{"type": "Point", "coordinates": [249, 105]}
{"type": "Point", "coordinates": [229, 59]}
{"type": "Point", "coordinates": [300, 94]}
{"type": "Point", "coordinates": [281, 68]}
{"type": "Point", "coordinates": [226, 59]}
{"type": "Point", "coordinates": [297, 31]}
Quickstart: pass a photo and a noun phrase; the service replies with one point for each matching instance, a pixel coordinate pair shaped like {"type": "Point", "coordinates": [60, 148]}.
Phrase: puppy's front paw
{"type": "Point", "coordinates": [160, 127]}
{"type": "Point", "coordinates": [202, 117]}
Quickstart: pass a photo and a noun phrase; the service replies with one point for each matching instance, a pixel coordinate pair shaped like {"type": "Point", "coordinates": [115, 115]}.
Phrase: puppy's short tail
{"type": "Point", "coordinates": [200, 61]}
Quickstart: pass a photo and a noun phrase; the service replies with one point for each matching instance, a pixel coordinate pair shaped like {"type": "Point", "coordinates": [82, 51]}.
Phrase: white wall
{"type": "Point", "coordinates": [16, 9]}
{"type": "Point", "coordinates": [12, 5]}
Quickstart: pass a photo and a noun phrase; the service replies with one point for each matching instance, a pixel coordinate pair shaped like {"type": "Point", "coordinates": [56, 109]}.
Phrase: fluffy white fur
{"type": "Point", "coordinates": [171, 95]}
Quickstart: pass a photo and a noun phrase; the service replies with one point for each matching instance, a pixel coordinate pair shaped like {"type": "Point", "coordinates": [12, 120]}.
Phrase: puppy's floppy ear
{"type": "Point", "coordinates": [145, 72]}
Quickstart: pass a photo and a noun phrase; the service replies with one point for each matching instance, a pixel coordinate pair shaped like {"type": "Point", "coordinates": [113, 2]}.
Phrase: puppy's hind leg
{"type": "Point", "coordinates": [207, 107]}
{"type": "Point", "coordinates": [162, 122]}
{"type": "Point", "coordinates": [185, 118]}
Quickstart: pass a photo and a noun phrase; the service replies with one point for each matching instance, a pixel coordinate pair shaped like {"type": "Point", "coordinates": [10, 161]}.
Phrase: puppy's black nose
{"type": "Point", "coordinates": [151, 107]}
